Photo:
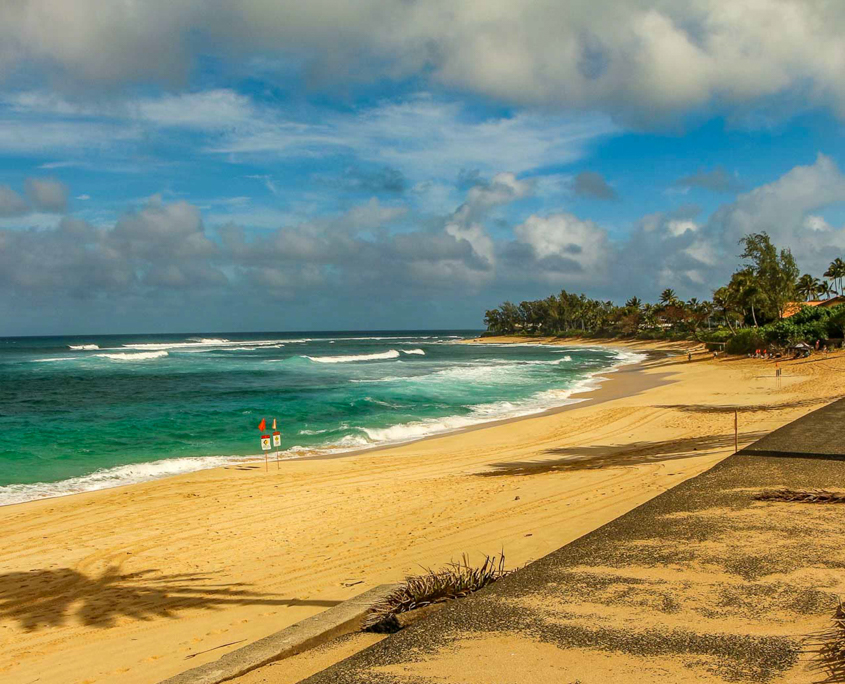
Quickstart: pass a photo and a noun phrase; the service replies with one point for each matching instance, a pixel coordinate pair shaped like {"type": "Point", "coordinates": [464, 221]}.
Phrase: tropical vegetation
{"type": "Point", "coordinates": [756, 309]}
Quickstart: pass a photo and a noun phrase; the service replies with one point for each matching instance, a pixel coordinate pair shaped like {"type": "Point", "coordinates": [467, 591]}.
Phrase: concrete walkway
{"type": "Point", "coordinates": [701, 584]}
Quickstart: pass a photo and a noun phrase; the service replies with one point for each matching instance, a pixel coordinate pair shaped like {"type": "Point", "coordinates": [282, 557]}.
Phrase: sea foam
{"type": "Point", "coordinates": [140, 356]}
{"type": "Point", "coordinates": [351, 358]}
{"type": "Point", "coordinates": [83, 347]}
{"type": "Point", "coordinates": [112, 477]}
{"type": "Point", "coordinates": [208, 344]}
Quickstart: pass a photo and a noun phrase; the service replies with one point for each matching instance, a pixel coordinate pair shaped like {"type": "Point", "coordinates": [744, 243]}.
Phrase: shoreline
{"type": "Point", "coordinates": [125, 584]}
{"type": "Point", "coordinates": [595, 394]}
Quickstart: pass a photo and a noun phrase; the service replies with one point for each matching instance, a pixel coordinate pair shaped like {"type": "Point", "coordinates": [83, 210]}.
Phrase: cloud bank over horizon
{"type": "Point", "coordinates": [165, 251]}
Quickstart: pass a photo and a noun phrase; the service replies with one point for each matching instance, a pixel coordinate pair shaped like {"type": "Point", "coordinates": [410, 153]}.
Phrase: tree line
{"type": "Point", "coordinates": [749, 310]}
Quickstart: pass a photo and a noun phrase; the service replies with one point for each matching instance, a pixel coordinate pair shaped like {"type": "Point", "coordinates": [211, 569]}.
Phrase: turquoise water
{"type": "Point", "coordinates": [78, 414]}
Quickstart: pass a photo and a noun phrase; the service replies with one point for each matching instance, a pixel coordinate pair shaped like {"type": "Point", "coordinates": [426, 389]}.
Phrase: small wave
{"type": "Point", "coordinates": [380, 339]}
{"type": "Point", "coordinates": [227, 348]}
{"type": "Point", "coordinates": [208, 344]}
{"type": "Point", "coordinates": [625, 357]}
{"type": "Point", "coordinates": [553, 362]}
{"type": "Point", "coordinates": [112, 477]}
{"type": "Point", "coordinates": [418, 352]}
{"type": "Point", "coordinates": [381, 402]}
{"type": "Point", "coordinates": [83, 347]}
{"type": "Point", "coordinates": [141, 356]}
{"type": "Point", "coordinates": [392, 354]}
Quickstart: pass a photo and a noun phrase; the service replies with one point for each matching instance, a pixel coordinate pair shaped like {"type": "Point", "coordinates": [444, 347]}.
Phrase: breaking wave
{"type": "Point", "coordinates": [392, 354]}
{"type": "Point", "coordinates": [141, 356]}
{"type": "Point", "coordinates": [207, 344]}
{"type": "Point", "coordinates": [83, 347]}
{"type": "Point", "coordinates": [112, 477]}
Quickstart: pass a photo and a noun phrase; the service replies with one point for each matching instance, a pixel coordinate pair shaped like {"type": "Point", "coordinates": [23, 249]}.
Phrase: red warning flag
{"type": "Point", "coordinates": [262, 425]}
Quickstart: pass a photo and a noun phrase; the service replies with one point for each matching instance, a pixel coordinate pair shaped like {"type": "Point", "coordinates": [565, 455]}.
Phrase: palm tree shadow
{"type": "Point", "coordinates": [601, 456]}
{"type": "Point", "coordinates": [48, 598]}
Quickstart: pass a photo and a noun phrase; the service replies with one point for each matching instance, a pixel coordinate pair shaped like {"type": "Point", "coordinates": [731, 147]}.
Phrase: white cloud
{"type": "Point", "coordinates": [28, 136]}
{"type": "Point", "coordinates": [655, 56]}
{"type": "Point", "coordinates": [695, 257]}
{"type": "Point", "coordinates": [47, 194]}
{"type": "Point", "coordinates": [210, 110]}
{"type": "Point", "coordinates": [373, 215]}
{"type": "Point", "coordinates": [703, 252]}
{"type": "Point", "coordinates": [376, 250]}
{"type": "Point", "coordinates": [423, 137]}
{"type": "Point", "coordinates": [787, 209]}
{"type": "Point", "coordinates": [465, 223]}
{"type": "Point", "coordinates": [11, 203]}
{"type": "Point", "coordinates": [566, 243]}
{"type": "Point", "coordinates": [676, 228]}
{"type": "Point", "coordinates": [816, 223]}
{"type": "Point", "coordinates": [420, 136]}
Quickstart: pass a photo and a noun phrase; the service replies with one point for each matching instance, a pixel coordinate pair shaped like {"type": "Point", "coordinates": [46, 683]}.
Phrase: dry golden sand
{"type": "Point", "coordinates": [138, 583]}
{"type": "Point", "coordinates": [714, 593]}
{"type": "Point", "coordinates": [296, 668]}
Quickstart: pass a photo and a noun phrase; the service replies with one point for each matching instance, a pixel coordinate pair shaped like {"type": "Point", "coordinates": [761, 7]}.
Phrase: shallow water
{"type": "Point", "coordinates": [78, 414]}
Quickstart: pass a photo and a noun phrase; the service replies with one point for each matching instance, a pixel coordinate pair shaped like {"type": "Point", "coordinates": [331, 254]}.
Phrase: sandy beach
{"type": "Point", "coordinates": [141, 582]}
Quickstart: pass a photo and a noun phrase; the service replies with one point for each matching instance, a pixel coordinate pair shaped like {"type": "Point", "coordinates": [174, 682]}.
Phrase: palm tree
{"type": "Point", "coordinates": [825, 290]}
{"type": "Point", "coordinates": [808, 286]}
{"type": "Point", "coordinates": [745, 292]}
{"type": "Point", "coordinates": [634, 303]}
{"type": "Point", "coordinates": [724, 299]}
{"type": "Point", "coordinates": [668, 296]}
{"type": "Point", "coordinates": [836, 272]}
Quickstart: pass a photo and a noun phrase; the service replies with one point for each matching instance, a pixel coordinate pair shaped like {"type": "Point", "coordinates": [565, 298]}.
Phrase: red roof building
{"type": "Point", "coordinates": [794, 307]}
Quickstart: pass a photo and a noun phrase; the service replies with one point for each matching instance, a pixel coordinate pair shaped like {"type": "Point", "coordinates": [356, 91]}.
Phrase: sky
{"type": "Point", "coordinates": [204, 165]}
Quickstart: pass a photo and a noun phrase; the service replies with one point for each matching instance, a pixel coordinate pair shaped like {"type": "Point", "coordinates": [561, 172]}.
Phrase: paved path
{"type": "Point", "coordinates": [820, 433]}
{"type": "Point", "coordinates": [701, 584]}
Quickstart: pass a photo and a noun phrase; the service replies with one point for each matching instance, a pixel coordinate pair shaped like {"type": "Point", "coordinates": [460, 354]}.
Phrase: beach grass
{"type": "Point", "coordinates": [801, 496]}
{"type": "Point", "coordinates": [828, 647]}
{"type": "Point", "coordinates": [453, 581]}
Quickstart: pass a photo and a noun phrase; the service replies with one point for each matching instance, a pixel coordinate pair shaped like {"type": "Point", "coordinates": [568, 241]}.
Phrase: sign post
{"type": "Point", "coordinates": [265, 446]}
{"type": "Point", "coordinates": [277, 443]}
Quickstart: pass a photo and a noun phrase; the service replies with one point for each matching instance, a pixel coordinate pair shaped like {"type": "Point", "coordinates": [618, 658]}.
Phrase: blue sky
{"type": "Point", "coordinates": [188, 166]}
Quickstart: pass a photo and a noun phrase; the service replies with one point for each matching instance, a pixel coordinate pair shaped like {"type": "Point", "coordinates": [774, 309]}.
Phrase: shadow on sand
{"type": "Point", "coordinates": [47, 598]}
{"type": "Point", "coordinates": [600, 456]}
{"type": "Point", "coordinates": [751, 408]}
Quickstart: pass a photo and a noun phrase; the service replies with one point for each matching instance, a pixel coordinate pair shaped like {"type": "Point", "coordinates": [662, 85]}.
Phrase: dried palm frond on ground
{"type": "Point", "coordinates": [829, 648]}
{"type": "Point", "coordinates": [454, 581]}
{"type": "Point", "coordinates": [801, 496]}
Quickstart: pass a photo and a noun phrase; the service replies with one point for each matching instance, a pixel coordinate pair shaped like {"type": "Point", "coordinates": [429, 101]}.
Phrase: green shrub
{"type": "Point", "coordinates": [718, 335]}
{"type": "Point", "coordinates": [746, 341]}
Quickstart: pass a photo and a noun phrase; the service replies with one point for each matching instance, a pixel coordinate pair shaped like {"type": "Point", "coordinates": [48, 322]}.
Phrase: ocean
{"type": "Point", "coordinates": [85, 413]}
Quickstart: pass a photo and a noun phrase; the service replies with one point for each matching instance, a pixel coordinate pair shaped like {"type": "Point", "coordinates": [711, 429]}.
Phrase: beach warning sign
{"type": "Point", "coordinates": [265, 442]}
{"type": "Point", "coordinates": [277, 439]}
